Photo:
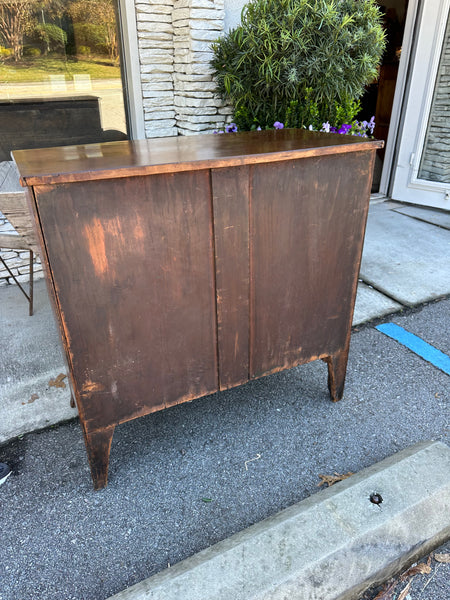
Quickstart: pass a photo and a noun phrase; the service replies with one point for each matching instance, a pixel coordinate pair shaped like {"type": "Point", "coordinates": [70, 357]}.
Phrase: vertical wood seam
{"type": "Point", "coordinates": [250, 273]}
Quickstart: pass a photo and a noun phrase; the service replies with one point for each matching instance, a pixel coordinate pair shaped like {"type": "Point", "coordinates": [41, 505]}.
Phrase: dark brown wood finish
{"type": "Point", "coordinates": [98, 447]}
{"type": "Point", "coordinates": [230, 193]}
{"type": "Point", "coordinates": [172, 155]}
{"type": "Point", "coordinates": [132, 262]}
{"type": "Point", "coordinates": [187, 265]}
{"type": "Point", "coordinates": [307, 230]}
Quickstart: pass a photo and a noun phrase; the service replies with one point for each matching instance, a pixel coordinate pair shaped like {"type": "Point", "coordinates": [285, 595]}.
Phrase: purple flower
{"type": "Point", "coordinates": [345, 128]}
{"type": "Point", "coordinates": [371, 124]}
{"type": "Point", "coordinates": [231, 128]}
{"type": "Point", "coordinates": [278, 125]}
{"type": "Point", "coordinates": [258, 128]}
{"type": "Point", "coordinates": [326, 127]}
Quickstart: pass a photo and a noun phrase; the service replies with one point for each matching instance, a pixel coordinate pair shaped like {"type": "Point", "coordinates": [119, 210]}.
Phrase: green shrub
{"type": "Point", "coordinates": [53, 36]}
{"type": "Point", "coordinates": [5, 52]}
{"type": "Point", "coordinates": [309, 112]}
{"type": "Point", "coordinates": [84, 50]}
{"type": "Point", "coordinates": [31, 51]}
{"type": "Point", "coordinates": [90, 35]}
{"type": "Point", "coordinates": [304, 61]}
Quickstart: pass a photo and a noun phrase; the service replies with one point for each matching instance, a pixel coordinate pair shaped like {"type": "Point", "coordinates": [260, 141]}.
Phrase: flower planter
{"type": "Point", "coordinates": [184, 266]}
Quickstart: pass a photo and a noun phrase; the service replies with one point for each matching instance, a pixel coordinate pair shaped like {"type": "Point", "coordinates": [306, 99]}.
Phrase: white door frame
{"type": "Point", "coordinates": [407, 186]}
{"type": "Point", "coordinates": [400, 89]}
{"type": "Point", "coordinates": [131, 69]}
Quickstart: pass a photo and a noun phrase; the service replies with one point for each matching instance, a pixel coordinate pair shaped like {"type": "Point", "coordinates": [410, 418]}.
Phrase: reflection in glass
{"type": "Point", "coordinates": [435, 163]}
{"type": "Point", "coordinates": [60, 74]}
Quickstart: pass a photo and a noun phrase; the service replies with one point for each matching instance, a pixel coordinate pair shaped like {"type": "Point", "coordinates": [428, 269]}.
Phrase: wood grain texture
{"type": "Point", "coordinates": [175, 154]}
{"type": "Point", "coordinates": [11, 240]}
{"type": "Point", "coordinates": [132, 265]}
{"type": "Point", "coordinates": [307, 227]}
{"type": "Point", "coordinates": [98, 446]}
{"type": "Point", "coordinates": [14, 206]}
{"type": "Point", "coordinates": [230, 201]}
{"type": "Point", "coordinates": [9, 177]}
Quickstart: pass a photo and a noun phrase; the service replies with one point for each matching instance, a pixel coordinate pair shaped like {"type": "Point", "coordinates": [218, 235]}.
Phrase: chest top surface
{"type": "Point", "coordinates": [174, 154]}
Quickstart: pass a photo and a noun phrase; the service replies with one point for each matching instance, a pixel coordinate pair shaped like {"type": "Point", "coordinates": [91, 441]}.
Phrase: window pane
{"type": "Point", "coordinates": [60, 80]}
{"type": "Point", "coordinates": [435, 163]}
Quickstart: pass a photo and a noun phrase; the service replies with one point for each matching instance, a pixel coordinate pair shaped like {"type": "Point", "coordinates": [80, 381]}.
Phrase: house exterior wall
{"type": "Point", "coordinates": [233, 10]}
{"type": "Point", "coordinates": [435, 165]}
{"type": "Point", "coordinates": [174, 38]}
{"type": "Point", "coordinates": [156, 58]}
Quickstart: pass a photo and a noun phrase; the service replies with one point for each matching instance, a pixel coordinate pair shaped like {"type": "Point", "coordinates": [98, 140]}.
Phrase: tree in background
{"type": "Point", "coordinates": [300, 61]}
{"type": "Point", "coordinates": [96, 23]}
{"type": "Point", "coordinates": [45, 24]}
{"type": "Point", "coordinates": [16, 19]}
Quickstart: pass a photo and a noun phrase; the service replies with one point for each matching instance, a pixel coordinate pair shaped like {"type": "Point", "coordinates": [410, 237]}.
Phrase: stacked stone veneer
{"type": "Point", "coordinates": [174, 38]}
{"type": "Point", "coordinates": [156, 56]}
{"type": "Point", "coordinates": [436, 155]}
{"type": "Point", "coordinates": [17, 260]}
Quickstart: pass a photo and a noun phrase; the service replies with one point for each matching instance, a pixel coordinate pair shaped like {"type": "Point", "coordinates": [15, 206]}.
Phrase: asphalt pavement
{"type": "Point", "coordinates": [185, 478]}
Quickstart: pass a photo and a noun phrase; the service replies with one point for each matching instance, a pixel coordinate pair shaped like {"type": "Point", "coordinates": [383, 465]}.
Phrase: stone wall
{"type": "Point", "coordinates": [174, 38]}
{"type": "Point", "coordinates": [435, 165]}
{"type": "Point", "coordinates": [156, 57]}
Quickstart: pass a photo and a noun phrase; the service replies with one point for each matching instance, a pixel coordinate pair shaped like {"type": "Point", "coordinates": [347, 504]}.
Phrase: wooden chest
{"type": "Point", "coordinates": [183, 266]}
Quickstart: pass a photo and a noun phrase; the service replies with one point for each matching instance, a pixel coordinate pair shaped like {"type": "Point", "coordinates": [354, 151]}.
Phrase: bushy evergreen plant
{"type": "Point", "coordinates": [301, 61]}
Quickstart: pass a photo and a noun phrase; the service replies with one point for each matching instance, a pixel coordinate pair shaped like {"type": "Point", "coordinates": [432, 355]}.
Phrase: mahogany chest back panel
{"type": "Point", "coordinates": [174, 279]}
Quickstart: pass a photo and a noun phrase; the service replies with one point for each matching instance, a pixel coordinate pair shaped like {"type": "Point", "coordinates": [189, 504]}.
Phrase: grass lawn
{"type": "Point", "coordinates": [38, 69]}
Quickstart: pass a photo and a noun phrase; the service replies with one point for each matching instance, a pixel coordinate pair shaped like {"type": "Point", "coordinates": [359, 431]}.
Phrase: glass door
{"type": "Point", "coordinates": [422, 172]}
{"type": "Point", "coordinates": [60, 74]}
